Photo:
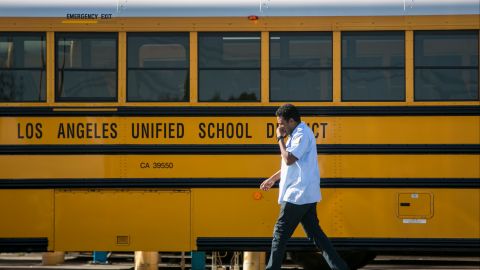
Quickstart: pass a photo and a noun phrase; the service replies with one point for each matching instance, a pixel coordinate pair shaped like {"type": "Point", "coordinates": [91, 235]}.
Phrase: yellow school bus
{"type": "Point", "coordinates": [149, 126]}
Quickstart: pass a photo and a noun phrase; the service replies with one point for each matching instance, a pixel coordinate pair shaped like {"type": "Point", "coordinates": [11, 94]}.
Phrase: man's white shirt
{"type": "Point", "coordinates": [300, 181]}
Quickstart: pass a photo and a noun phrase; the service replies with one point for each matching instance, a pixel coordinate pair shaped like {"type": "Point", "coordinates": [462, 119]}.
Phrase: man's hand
{"type": "Point", "coordinates": [281, 131]}
{"type": "Point", "coordinates": [267, 184]}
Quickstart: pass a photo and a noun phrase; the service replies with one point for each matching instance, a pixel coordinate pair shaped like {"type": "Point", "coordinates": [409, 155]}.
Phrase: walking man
{"type": "Point", "coordinates": [299, 189]}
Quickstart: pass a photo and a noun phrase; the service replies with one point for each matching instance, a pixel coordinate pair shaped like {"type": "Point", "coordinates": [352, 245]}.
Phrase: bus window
{"type": "Point", "coordinates": [158, 65]}
{"type": "Point", "coordinates": [22, 67]}
{"type": "Point", "coordinates": [300, 66]}
{"type": "Point", "coordinates": [373, 66]}
{"type": "Point", "coordinates": [229, 66]}
{"type": "Point", "coordinates": [86, 67]}
{"type": "Point", "coordinates": [446, 65]}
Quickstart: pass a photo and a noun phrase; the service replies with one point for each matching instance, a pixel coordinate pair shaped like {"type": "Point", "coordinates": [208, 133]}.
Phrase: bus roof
{"type": "Point", "coordinates": [236, 8]}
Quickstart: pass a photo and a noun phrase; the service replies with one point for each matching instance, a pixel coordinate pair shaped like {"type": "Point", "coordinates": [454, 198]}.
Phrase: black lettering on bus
{"type": "Point", "coordinates": [157, 130]}
{"type": "Point", "coordinates": [70, 130]}
{"type": "Point", "coordinates": [230, 130]}
{"type": "Point", "coordinates": [220, 131]}
{"type": "Point", "coordinates": [142, 130]}
{"type": "Point", "coordinates": [80, 131]}
{"type": "Point", "coordinates": [145, 129]}
{"type": "Point", "coordinates": [180, 130]}
{"type": "Point", "coordinates": [29, 131]}
{"type": "Point", "coordinates": [61, 132]}
{"type": "Point", "coordinates": [89, 130]}
{"type": "Point", "coordinates": [314, 127]}
{"type": "Point", "coordinates": [210, 131]}
{"type": "Point", "coordinates": [134, 131]}
{"type": "Point", "coordinates": [324, 128]}
{"type": "Point", "coordinates": [239, 130]}
{"type": "Point", "coordinates": [19, 132]}
{"type": "Point", "coordinates": [39, 133]}
{"type": "Point", "coordinates": [105, 130]}
{"type": "Point", "coordinates": [223, 130]}
{"type": "Point", "coordinates": [113, 132]}
{"type": "Point", "coordinates": [96, 132]}
{"type": "Point", "coordinates": [247, 132]}
{"type": "Point", "coordinates": [171, 130]}
{"type": "Point", "coordinates": [202, 132]}
{"type": "Point", "coordinates": [271, 127]}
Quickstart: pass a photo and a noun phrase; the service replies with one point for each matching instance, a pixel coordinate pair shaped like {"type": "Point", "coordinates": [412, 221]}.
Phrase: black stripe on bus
{"type": "Point", "coordinates": [365, 244]}
{"type": "Point", "coordinates": [233, 149]}
{"type": "Point", "coordinates": [203, 111]}
{"type": "Point", "coordinates": [39, 244]}
{"type": "Point", "coordinates": [182, 183]}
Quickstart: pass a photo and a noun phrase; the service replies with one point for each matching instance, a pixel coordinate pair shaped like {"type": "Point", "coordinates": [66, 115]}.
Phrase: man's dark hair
{"type": "Point", "coordinates": [288, 111]}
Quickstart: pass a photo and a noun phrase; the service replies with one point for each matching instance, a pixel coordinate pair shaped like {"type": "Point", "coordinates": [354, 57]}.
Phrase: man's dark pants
{"type": "Point", "coordinates": [289, 218]}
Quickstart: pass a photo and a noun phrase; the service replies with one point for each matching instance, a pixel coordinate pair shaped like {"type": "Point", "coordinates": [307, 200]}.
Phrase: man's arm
{"type": "Point", "coordinates": [288, 157]}
{"type": "Point", "coordinates": [267, 184]}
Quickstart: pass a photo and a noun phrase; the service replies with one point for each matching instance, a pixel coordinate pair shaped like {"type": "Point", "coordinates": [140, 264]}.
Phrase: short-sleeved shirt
{"type": "Point", "coordinates": [300, 181]}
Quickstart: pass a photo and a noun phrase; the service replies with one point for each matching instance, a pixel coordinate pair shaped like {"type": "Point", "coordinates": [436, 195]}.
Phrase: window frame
{"type": "Point", "coordinates": [259, 100]}
{"type": "Point", "coordinates": [415, 99]}
{"type": "Point", "coordinates": [342, 99]}
{"type": "Point", "coordinates": [58, 99]}
{"type": "Point", "coordinates": [308, 68]}
{"type": "Point", "coordinates": [187, 69]}
{"type": "Point", "coordinates": [43, 70]}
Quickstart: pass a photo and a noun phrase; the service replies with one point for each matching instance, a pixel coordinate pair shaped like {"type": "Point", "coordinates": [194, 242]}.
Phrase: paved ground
{"type": "Point", "coordinates": [423, 263]}
{"type": "Point", "coordinates": [124, 261]}
{"type": "Point", "coordinates": [72, 261]}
